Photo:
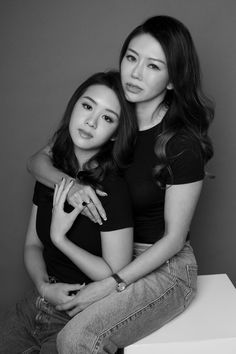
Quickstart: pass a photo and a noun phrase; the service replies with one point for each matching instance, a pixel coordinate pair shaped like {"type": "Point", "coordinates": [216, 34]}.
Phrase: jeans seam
{"type": "Point", "coordinates": [188, 269]}
{"type": "Point", "coordinates": [132, 317]}
{"type": "Point", "coordinates": [28, 350]}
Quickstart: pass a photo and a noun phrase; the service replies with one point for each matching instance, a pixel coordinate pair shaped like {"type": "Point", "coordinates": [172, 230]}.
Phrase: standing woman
{"type": "Point", "coordinates": [161, 76]}
{"type": "Point", "coordinates": [64, 249]}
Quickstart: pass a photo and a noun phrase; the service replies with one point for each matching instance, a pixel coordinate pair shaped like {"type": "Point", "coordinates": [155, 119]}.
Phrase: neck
{"type": "Point", "coordinates": [83, 156]}
{"type": "Point", "coordinates": [150, 113]}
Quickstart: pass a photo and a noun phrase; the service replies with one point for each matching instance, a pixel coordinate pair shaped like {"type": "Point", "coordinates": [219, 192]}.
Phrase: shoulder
{"type": "Point", "coordinates": [185, 159]}
{"type": "Point", "coordinates": [183, 143]}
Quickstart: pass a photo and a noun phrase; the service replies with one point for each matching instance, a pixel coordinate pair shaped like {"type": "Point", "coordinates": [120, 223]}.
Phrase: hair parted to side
{"type": "Point", "coordinates": [189, 110]}
{"type": "Point", "coordinates": [113, 155]}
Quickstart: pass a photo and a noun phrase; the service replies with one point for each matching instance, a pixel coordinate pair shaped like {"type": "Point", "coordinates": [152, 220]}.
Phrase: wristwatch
{"type": "Point", "coordinates": [121, 284]}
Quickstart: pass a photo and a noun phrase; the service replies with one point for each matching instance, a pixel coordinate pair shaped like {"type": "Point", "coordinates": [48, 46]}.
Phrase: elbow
{"type": "Point", "coordinates": [176, 243]}
{"type": "Point", "coordinates": [29, 165]}
{"type": "Point", "coordinates": [26, 256]}
{"type": "Point", "coordinates": [181, 242]}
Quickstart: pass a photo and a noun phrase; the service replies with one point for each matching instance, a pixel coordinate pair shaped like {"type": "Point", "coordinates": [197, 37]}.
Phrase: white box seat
{"type": "Point", "coordinates": [207, 326]}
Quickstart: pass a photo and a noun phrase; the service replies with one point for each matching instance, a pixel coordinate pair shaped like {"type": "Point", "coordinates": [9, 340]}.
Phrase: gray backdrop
{"type": "Point", "coordinates": [47, 48]}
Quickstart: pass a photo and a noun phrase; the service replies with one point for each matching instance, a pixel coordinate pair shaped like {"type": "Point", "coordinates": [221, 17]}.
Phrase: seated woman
{"type": "Point", "coordinates": [63, 248]}
{"type": "Point", "coordinates": [160, 75]}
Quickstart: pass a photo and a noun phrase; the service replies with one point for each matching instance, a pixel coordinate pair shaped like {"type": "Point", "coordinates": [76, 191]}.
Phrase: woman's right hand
{"type": "Point", "coordinates": [58, 293]}
{"type": "Point", "coordinates": [94, 210]}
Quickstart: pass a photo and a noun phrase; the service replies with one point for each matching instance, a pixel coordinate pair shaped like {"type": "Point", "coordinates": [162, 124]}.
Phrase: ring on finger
{"type": "Point", "coordinates": [86, 203]}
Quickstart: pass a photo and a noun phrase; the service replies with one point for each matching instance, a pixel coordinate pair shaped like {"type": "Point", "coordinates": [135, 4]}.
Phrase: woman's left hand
{"type": "Point", "coordinates": [62, 221]}
{"type": "Point", "coordinates": [88, 295]}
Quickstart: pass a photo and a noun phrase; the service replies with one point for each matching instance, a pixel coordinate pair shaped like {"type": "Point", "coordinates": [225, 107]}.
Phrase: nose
{"type": "Point", "coordinates": [137, 72]}
{"type": "Point", "coordinates": [91, 121]}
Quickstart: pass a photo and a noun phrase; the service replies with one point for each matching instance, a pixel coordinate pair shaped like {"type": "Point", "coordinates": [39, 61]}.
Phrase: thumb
{"type": "Point", "coordinates": [79, 286]}
{"type": "Point", "coordinates": [72, 287]}
{"type": "Point", "coordinates": [76, 211]}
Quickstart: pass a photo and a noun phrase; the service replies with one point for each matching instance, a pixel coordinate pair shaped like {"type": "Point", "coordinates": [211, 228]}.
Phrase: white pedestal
{"type": "Point", "coordinates": [207, 326]}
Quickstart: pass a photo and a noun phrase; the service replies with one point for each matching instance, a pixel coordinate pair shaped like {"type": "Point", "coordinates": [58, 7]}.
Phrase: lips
{"type": "Point", "coordinates": [84, 134]}
{"type": "Point", "coordinates": [133, 88]}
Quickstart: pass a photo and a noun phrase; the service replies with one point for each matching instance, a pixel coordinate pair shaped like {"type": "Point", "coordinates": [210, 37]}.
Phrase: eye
{"type": "Point", "coordinates": [130, 57]}
{"type": "Point", "coordinates": [107, 118]}
{"type": "Point", "coordinates": [153, 66]}
{"type": "Point", "coordinates": [87, 106]}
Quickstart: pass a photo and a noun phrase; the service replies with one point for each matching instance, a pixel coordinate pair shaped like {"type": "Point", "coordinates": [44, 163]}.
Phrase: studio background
{"type": "Point", "coordinates": [47, 49]}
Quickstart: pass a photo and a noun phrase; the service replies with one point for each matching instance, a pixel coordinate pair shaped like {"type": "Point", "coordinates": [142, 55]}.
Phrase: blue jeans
{"type": "Point", "coordinates": [123, 318]}
{"type": "Point", "coordinates": [31, 327]}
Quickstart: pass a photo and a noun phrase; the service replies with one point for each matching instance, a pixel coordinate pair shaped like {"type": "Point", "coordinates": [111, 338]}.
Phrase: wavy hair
{"type": "Point", "coordinates": [189, 110]}
{"type": "Point", "coordinates": [113, 155]}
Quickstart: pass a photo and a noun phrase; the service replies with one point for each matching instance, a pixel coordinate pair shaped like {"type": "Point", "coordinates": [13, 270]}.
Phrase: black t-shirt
{"type": "Point", "coordinates": [83, 232]}
{"type": "Point", "coordinates": [147, 197]}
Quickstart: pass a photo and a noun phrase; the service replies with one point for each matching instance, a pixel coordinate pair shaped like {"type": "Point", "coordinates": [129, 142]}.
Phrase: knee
{"type": "Point", "coordinates": [73, 340]}
{"type": "Point", "coordinates": [64, 342]}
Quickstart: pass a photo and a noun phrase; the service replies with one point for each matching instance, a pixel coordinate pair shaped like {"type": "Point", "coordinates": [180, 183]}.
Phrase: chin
{"type": "Point", "coordinates": [132, 98]}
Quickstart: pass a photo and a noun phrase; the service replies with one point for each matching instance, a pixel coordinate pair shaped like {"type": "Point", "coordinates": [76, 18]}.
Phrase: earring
{"type": "Point", "coordinates": [170, 86]}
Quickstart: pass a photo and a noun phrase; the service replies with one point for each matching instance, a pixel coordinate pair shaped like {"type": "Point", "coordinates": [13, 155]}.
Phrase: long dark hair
{"type": "Point", "coordinates": [113, 155]}
{"type": "Point", "coordinates": [189, 110]}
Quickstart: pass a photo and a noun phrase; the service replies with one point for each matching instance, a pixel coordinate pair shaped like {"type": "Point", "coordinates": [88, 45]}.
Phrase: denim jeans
{"type": "Point", "coordinates": [31, 327]}
{"type": "Point", "coordinates": [121, 319]}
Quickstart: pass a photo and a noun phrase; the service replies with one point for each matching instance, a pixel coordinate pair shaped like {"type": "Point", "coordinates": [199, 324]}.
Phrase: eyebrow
{"type": "Point", "coordinates": [155, 59]}
{"type": "Point", "coordinates": [107, 109]}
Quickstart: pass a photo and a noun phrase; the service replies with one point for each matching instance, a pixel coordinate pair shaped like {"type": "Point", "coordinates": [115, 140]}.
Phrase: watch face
{"type": "Point", "coordinates": [121, 286]}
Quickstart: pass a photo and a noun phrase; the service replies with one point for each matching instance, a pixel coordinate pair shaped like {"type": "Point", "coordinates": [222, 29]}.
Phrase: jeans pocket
{"type": "Point", "coordinates": [191, 272]}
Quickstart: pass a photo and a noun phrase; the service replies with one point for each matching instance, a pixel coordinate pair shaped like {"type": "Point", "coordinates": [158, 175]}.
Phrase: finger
{"type": "Point", "coordinates": [75, 212]}
{"type": "Point", "coordinates": [101, 193]}
{"type": "Point", "coordinates": [86, 212]}
{"type": "Point", "coordinates": [60, 189]}
{"type": "Point", "coordinates": [67, 306]}
{"type": "Point", "coordinates": [98, 205]}
{"type": "Point", "coordinates": [55, 194]}
{"type": "Point", "coordinates": [72, 287]}
{"type": "Point", "coordinates": [74, 311]}
{"type": "Point", "coordinates": [92, 208]}
{"type": "Point", "coordinates": [64, 192]}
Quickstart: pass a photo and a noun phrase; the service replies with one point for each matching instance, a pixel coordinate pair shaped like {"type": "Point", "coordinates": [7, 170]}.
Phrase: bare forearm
{"type": "Point", "coordinates": [40, 166]}
{"type": "Point", "coordinates": [141, 266]}
{"type": "Point", "coordinates": [35, 266]}
{"type": "Point", "coordinates": [151, 259]}
{"type": "Point", "coordinates": [95, 267]}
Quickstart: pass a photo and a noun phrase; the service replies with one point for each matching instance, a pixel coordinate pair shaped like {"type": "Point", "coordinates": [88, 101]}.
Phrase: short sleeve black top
{"type": "Point", "coordinates": [84, 232]}
{"type": "Point", "coordinates": [147, 197]}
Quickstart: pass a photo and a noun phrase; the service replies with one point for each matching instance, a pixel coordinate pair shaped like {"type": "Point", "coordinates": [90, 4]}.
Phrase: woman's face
{"type": "Point", "coordinates": [144, 72]}
{"type": "Point", "coordinates": [94, 119]}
